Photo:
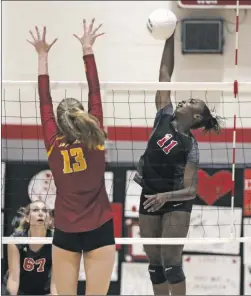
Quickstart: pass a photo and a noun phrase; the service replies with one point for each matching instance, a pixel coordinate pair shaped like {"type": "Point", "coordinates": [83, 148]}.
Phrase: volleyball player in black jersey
{"type": "Point", "coordinates": [30, 266]}
{"type": "Point", "coordinates": [167, 173]}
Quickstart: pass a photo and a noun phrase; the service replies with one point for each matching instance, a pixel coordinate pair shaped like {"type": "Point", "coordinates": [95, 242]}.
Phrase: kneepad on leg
{"type": "Point", "coordinates": [157, 275]}
{"type": "Point", "coordinates": [174, 274]}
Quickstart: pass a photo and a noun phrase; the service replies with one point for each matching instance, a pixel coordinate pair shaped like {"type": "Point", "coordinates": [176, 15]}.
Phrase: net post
{"type": "Point", "coordinates": [235, 93]}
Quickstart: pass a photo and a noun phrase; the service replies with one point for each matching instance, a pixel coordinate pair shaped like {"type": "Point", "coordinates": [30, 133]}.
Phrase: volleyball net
{"type": "Point", "coordinates": [220, 220]}
{"type": "Point", "coordinates": [129, 112]}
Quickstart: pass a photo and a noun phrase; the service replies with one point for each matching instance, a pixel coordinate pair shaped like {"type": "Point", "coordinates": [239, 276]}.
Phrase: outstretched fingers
{"type": "Point", "coordinates": [44, 34]}
{"type": "Point", "coordinates": [38, 33]}
{"type": "Point", "coordinates": [32, 43]}
{"type": "Point", "coordinates": [76, 36]}
{"type": "Point", "coordinates": [53, 42]}
{"type": "Point", "coordinates": [84, 25]}
{"type": "Point", "coordinates": [95, 31]}
{"type": "Point", "coordinates": [32, 35]}
{"type": "Point", "coordinates": [98, 35]}
{"type": "Point", "coordinates": [91, 26]}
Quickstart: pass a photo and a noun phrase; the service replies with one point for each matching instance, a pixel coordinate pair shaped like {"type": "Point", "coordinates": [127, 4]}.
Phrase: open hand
{"type": "Point", "coordinates": [40, 44]}
{"type": "Point", "coordinates": [89, 36]}
{"type": "Point", "coordinates": [154, 202]}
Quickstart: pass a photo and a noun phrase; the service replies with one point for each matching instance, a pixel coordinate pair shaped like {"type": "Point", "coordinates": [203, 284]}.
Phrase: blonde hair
{"type": "Point", "coordinates": [76, 124]}
{"type": "Point", "coordinates": [20, 222]}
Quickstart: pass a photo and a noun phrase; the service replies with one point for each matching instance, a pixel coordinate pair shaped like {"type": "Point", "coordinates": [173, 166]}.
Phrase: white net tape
{"type": "Point", "coordinates": [132, 104]}
{"type": "Point", "coordinates": [140, 86]}
{"type": "Point", "coordinates": [134, 241]}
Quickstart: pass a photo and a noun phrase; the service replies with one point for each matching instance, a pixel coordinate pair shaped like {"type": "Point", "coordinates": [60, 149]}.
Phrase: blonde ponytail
{"type": "Point", "coordinates": [81, 126]}
{"type": "Point", "coordinates": [76, 124]}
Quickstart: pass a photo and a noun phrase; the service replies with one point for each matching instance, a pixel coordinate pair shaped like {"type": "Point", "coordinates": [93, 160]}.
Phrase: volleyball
{"type": "Point", "coordinates": [161, 23]}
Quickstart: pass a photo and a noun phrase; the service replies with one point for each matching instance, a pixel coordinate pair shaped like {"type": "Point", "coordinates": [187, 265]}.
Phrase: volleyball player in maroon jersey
{"type": "Point", "coordinates": [75, 148]}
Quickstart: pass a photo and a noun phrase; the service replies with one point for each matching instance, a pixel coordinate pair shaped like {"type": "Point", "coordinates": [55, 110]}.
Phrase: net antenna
{"type": "Point", "coordinates": [236, 92]}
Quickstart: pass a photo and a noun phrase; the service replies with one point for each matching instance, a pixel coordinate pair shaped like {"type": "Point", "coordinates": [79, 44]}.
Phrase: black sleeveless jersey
{"type": "Point", "coordinates": [35, 268]}
{"type": "Point", "coordinates": [165, 158]}
{"type": "Point", "coordinates": [161, 168]}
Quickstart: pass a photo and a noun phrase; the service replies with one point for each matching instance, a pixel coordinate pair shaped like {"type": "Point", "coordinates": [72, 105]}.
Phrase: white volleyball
{"type": "Point", "coordinates": [161, 23]}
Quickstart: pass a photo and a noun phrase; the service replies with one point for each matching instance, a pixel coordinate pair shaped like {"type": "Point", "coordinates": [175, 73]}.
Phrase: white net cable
{"type": "Point", "coordinates": [140, 86]}
{"type": "Point", "coordinates": [135, 241]}
{"type": "Point", "coordinates": [131, 104]}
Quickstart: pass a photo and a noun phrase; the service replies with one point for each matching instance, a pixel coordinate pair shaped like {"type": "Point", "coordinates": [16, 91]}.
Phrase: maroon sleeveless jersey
{"type": "Point", "coordinates": [81, 202]}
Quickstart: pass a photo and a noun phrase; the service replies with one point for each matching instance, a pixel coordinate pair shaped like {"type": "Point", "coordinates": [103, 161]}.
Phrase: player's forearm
{"type": "Point", "coordinates": [180, 195]}
{"type": "Point", "coordinates": [49, 125]}
{"type": "Point", "coordinates": [44, 90]}
{"type": "Point", "coordinates": [94, 100]}
{"type": "Point", "coordinates": [43, 80]}
{"type": "Point", "coordinates": [87, 51]}
{"type": "Point", "coordinates": [167, 61]}
{"type": "Point", "coordinates": [92, 76]}
{"type": "Point", "coordinates": [12, 286]}
{"type": "Point", "coordinates": [163, 98]}
{"type": "Point", "coordinates": [43, 64]}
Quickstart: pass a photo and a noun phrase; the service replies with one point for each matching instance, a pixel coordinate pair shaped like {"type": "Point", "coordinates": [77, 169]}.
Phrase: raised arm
{"type": "Point", "coordinates": [162, 98]}
{"type": "Point", "coordinates": [49, 125]}
{"type": "Point", "coordinates": [94, 97]}
{"type": "Point", "coordinates": [14, 270]}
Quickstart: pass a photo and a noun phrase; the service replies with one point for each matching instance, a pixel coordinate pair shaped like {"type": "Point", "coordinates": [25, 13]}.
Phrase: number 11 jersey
{"type": "Point", "coordinates": [166, 155]}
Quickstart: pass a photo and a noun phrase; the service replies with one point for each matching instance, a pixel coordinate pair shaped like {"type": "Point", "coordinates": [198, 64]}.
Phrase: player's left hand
{"type": "Point", "coordinates": [41, 45]}
{"type": "Point", "coordinates": [154, 202]}
{"type": "Point", "coordinates": [90, 35]}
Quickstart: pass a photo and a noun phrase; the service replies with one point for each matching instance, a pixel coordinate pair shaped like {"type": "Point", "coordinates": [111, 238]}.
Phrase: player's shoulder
{"type": "Point", "coordinates": [59, 144]}
{"type": "Point", "coordinates": [165, 112]}
{"type": "Point", "coordinates": [62, 143]}
{"type": "Point", "coordinates": [50, 233]}
{"type": "Point", "coordinates": [19, 233]}
{"type": "Point", "coordinates": [194, 141]}
{"type": "Point", "coordinates": [56, 143]}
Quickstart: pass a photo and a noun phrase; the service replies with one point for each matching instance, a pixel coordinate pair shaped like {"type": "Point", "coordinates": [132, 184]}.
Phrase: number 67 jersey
{"type": "Point", "coordinates": [35, 268]}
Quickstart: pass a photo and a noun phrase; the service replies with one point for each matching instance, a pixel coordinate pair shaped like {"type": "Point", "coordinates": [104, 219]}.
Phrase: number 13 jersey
{"type": "Point", "coordinates": [81, 203]}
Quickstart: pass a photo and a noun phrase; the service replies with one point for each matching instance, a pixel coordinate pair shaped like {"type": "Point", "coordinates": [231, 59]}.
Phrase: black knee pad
{"type": "Point", "coordinates": [157, 275]}
{"type": "Point", "coordinates": [174, 274]}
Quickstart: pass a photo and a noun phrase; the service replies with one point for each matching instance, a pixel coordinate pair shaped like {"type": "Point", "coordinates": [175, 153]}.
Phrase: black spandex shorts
{"type": "Point", "coordinates": [85, 241]}
{"type": "Point", "coordinates": [184, 206]}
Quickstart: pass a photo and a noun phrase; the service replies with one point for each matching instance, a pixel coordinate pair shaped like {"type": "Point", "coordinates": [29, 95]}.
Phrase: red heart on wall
{"type": "Point", "coordinates": [211, 188]}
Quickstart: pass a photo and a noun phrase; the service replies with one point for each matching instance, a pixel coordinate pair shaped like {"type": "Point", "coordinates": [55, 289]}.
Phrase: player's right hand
{"type": "Point", "coordinates": [89, 36]}
{"type": "Point", "coordinates": [40, 44]}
